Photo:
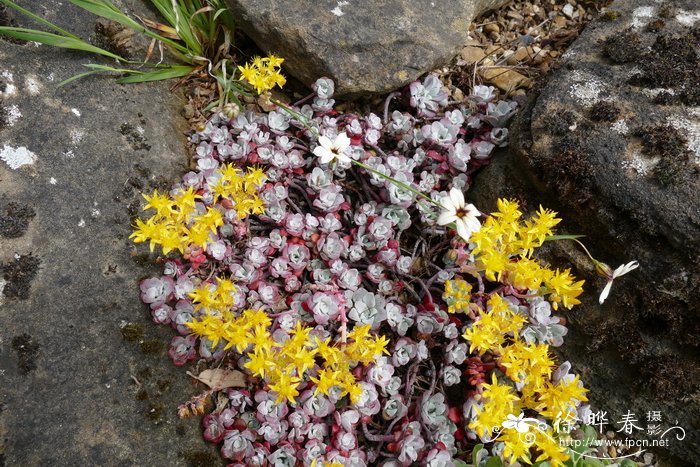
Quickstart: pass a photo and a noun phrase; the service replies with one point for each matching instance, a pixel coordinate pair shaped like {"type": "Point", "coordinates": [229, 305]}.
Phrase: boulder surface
{"type": "Point", "coordinates": [612, 141]}
{"type": "Point", "coordinates": [365, 46]}
{"type": "Point", "coordinates": [84, 375]}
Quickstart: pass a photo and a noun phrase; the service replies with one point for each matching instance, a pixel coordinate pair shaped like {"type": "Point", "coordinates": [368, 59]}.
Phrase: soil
{"type": "Point", "coordinates": [539, 27]}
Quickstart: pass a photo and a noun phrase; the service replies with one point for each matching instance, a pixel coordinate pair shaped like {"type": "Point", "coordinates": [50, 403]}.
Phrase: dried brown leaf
{"type": "Point", "coordinates": [219, 378]}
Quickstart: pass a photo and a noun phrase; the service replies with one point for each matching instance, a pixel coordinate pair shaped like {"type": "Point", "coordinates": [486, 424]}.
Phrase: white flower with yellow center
{"type": "Point", "coordinates": [329, 150]}
{"type": "Point", "coordinates": [464, 216]}
{"type": "Point", "coordinates": [607, 272]}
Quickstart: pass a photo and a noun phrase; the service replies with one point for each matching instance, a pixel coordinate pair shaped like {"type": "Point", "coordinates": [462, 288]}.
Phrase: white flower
{"type": "Point", "coordinates": [604, 270]}
{"type": "Point", "coordinates": [328, 150]}
{"type": "Point", "coordinates": [463, 215]}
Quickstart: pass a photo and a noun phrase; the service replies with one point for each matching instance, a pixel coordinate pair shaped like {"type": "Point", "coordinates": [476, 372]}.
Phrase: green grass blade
{"type": "Point", "coordinates": [37, 18]}
{"type": "Point", "coordinates": [226, 16]}
{"type": "Point", "coordinates": [78, 76]}
{"type": "Point", "coordinates": [550, 238]}
{"type": "Point", "coordinates": [98, 67]}
{"type": "Point", "coordinates": [55, 40]}
{"type": "Point", "coordinates": [165, 9]}
{"type": "Point", "coordinates": [177, 71]}
{"type": "Point", "coordinates": [178, 19]}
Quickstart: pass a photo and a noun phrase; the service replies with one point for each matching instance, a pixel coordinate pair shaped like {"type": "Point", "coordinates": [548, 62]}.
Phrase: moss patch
{"type": "Point", "coordinates": [134, 137]}
{"type": "Point", "coordinates": [132, 332]}
{"type": "Point", "coordinates": [656, 25]}
{"type": "Point", "coordinates": [559, 123]}
{"type": "Point", "coordinates": [671, 146]}
{"type": "Point", "coordinates": [610, 15]}
{"type": "Point", "coordinates": [623, 47]}
{"type": "Point", "coordinates": [18, 275]}
{"type": "Point", "coordinates": [114, 37]}
{"type": "Point", "coordinates": [4, 115]}
{"type": "Point", "coordinates": [673, 62]}
{"type": "Point", "coordinates": [154, 411]}
{"type": "Point", "coordinates": [145, 373]}
{"type": "Point", "coordinates": [15, 219]}
{"type": "Point", "coordinates": [201, 458]}
{"type": "Point", "coordinates": [27, 350]}
{"type": "Point", "coordinates": [164, 385]}
{"type": "Point", "coordinates": [604, 112]}
{"type": "Point", "coordinates": [570, 168]}
{"type": "Point", "coordinates": [152, 347]}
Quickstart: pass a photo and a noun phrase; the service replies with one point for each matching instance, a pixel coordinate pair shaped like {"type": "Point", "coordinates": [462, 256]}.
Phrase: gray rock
{"type": "Point", "coordinates": [365, 46]}
{"type": "Point", "coordinates": [618, 158]}
{"type": "Point", "coordinates": [76, 388]}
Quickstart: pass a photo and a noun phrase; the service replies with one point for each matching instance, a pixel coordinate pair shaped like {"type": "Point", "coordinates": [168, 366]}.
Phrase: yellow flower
{"type": "Point", "coordinates": [326, 380]}
{"type": "Point", "coordinates": [198, 234]}
{"type": "Point", "coordinates": [354, 392]}
{"type": "Point", "coordinates": [186, 200]}
{"type": "Point", "coordinates": [303, 360]}
{"type": "Point", "coordinates": [499, 401]}
{"type": "Point", "coordinates": [212, 219]}
{"type": "Point", "coordinates": [285, 386]}
{"type": "Point", "coordinates": [160, 202]}
{"type": "Point", "coordinates": [274, 61]}
{"type": "Point", "coordinates": [530, 364]}
{"type": "Point", "coordinates": [489, 332]}
{"type": "Point", "coordinates": [264, 73]}
{"type": "Point", "coordinates": [565, 289]}
{"type": "Point", "coordinates": [211, 327]}
{"type": "Point", "coordinates": [144, 231]}
{"type": "Point", "coordinates": [551, 450]}
{"type": "Point", "coordinates": [259, 362]}
{"type": "Point", "coordinates": [516, 445]}
{"type": "Point", "coordinates": [562, 398]}
{"type": "Point", "coordinates": [256, 317]}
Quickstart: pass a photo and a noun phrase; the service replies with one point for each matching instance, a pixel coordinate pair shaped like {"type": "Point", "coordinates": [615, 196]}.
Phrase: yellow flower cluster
{"type": "Point", "coordinates": [557, 401]}
{"type": "Point", "coordinates": [504, 247]}
{"type": "Point", "coordinates": [238, 331]}
{"type": "Point", "coordinates": [498, 402]}
{"type": "Point", "coordinates": [178, 223]}
{"type": "Point", "coordinates": [490, 331]}
{"type": "Point", "coordinates": [283, 365]}
{"type": "Point", "coordinates": [263, 73]}
{"type": "Point", "coordinates": [458, 294]}
{"type": "Point", "coordinates": [214, 297]}
{"type": "Point", "coordinates": [530, 365]}
{"type": "Point", "coordinates": [517, 446]}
